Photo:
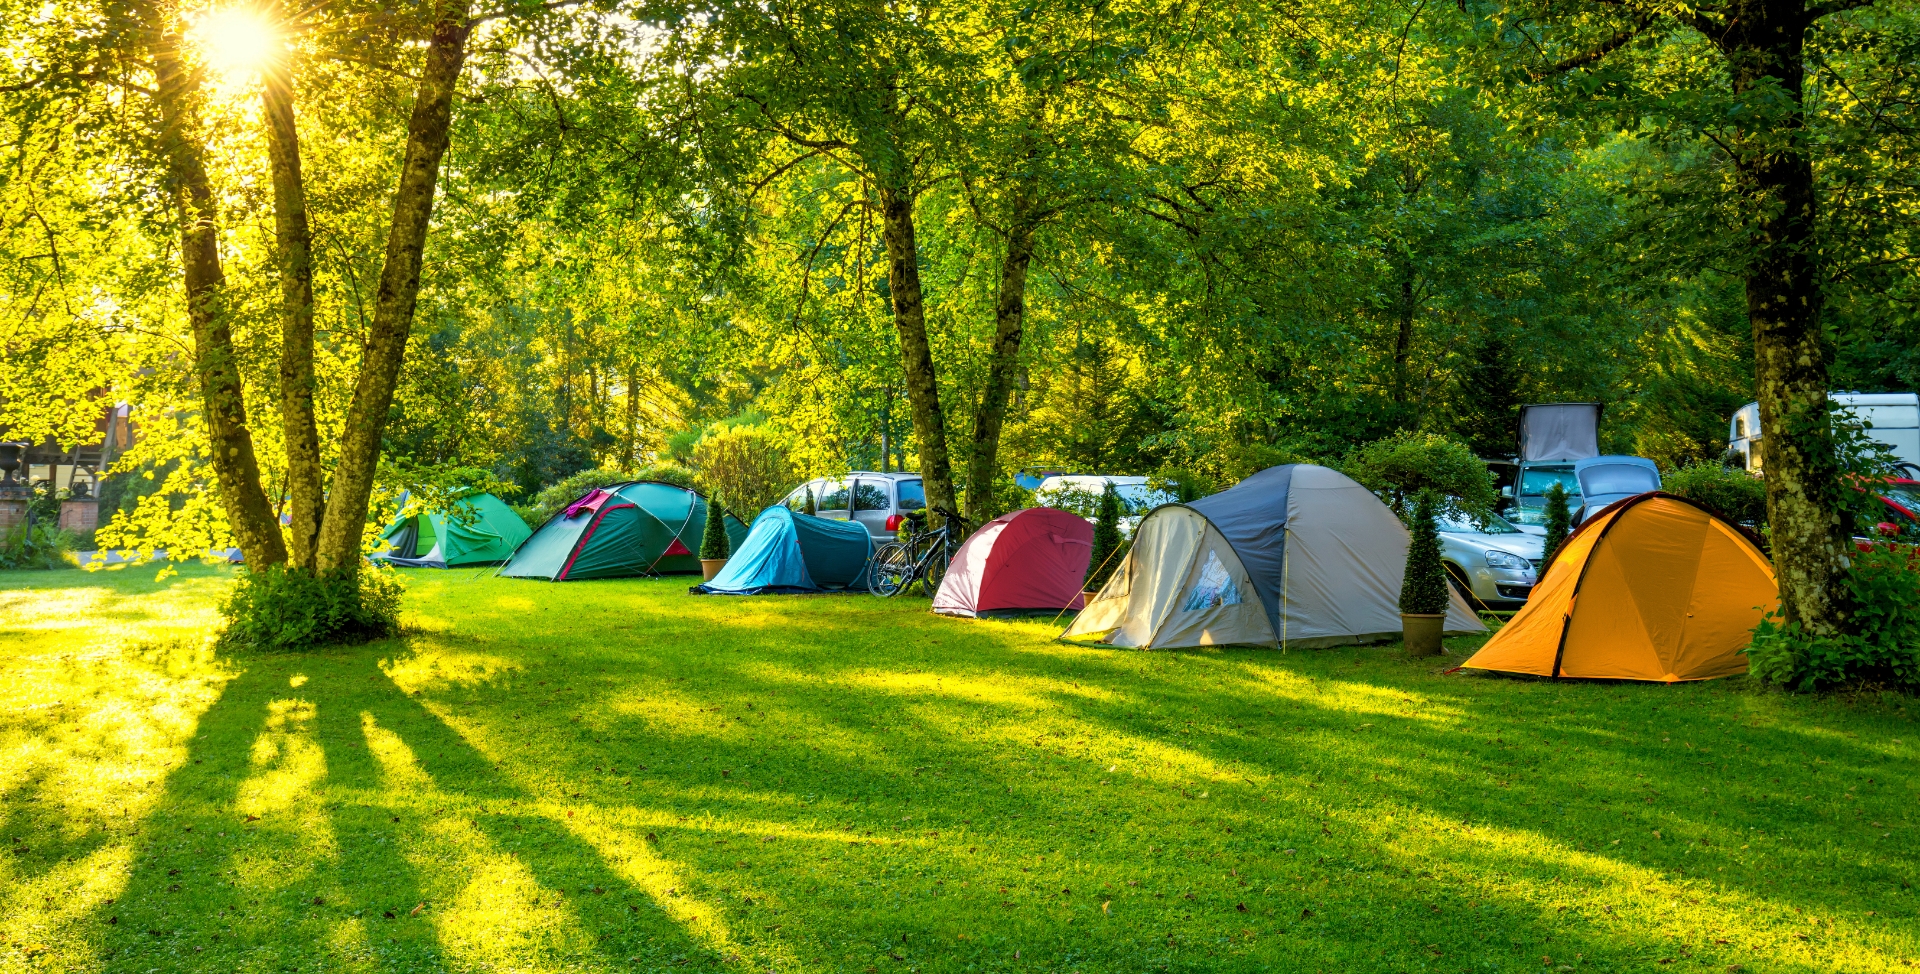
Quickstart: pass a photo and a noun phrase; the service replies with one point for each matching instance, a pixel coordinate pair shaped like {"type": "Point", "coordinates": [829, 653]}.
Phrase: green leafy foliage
{"type": "Point", "coordinates": [1559, 525]}
{"type": "Point", "coordinates": [746, 463]}
{"type": "Point", "coordinates": [283, 608]}
{"type": "Point", "coordinates": [37, 545]}
{"type": "Point", "coordinates": [555, 498]}
{"type": "Point", "coordinates": [1734, 494]}
{"type": "Point", "coordinates": [1423, 587]}
{"type": "Point", "coordinates": [713, 537]}
{"type": "Point", "coordinates": [1407, 466]}
{"type": "Point", "coordinates": [1109, 547]}
{"type": "Point", "coordinates": [1879, 646]}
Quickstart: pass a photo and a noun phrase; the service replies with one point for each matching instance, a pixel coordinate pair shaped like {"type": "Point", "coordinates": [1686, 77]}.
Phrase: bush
{"type": "Point", "coordinates": [1403, 466]}
{"type": "Point", "coordinates": [1559, 525]}
{"type": "Point", "coordinates": [1423, 587]}
{"type": "Point", "coordinates": [1106, 540]}
{"type": "Point", "coordinates": [745, 463]}
{"type": "Point", "coordinates": [278, 607]}
{"type": "Point", "coordinates": [713, 537]}
{"type": "Point", "coordinates": [1734, 494]}
{"type": "Point", "coordinates": [39, 546]}
{"type": "Point", "coordinates": [1878, 647]}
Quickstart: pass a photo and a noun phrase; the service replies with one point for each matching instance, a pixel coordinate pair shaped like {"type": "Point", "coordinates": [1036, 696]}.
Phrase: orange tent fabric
{"type": "Point", "coordinates": [1653, 588]}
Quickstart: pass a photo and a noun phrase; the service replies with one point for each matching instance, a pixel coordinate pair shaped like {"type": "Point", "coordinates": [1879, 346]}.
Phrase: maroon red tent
{"type": "Point", "coordinates": [1028, 561]}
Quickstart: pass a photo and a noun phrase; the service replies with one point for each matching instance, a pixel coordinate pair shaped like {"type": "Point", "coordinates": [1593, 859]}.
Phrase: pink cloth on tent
{"type": "Point", "coordinates": [591, 502]}
{"type": "Point", "coordinates": [1034, 559]}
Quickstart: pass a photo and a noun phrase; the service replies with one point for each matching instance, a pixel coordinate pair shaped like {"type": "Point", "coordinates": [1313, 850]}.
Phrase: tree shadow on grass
{"type": "Point", "coordinates": [1514, 816]}
{"type": "Point", "coordinates": [325, 820]}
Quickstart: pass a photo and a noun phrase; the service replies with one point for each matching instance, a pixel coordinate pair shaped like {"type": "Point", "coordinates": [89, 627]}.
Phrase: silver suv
{"type": "Point", "coordinates": [878, 500]}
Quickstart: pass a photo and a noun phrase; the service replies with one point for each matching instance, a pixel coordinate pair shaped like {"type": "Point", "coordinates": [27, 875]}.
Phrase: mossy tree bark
{"type": "Point", "coordinates": [1009, 324]}
{"type": "Point", "coordinates": [386, 346]}
{"type": "Point", "coordinates": [916, 353]}
{"type": "Point", "coordinates": [1763, 42]}
{"type": "Point", "coordinates": [294, 253]}
{"type": "Point", "coordinates": [235, 463]}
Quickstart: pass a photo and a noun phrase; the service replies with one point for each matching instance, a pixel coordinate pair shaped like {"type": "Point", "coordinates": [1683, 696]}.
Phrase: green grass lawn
{"type": "Point", "coordinates": [615, 776]}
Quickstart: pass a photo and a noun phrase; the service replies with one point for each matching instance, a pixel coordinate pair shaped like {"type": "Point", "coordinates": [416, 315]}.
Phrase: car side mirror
{"type": "Point", "coordinates": [1507, 492]}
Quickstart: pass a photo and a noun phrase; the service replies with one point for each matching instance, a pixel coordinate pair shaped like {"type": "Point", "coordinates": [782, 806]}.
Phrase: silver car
{"type": "Point", "coordinates": [879, 501]}
{"type": "Point", "coordinates": [1493, 565]}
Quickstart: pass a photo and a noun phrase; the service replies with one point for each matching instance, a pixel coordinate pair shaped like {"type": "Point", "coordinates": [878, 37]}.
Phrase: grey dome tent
{"type": "Point", "coordinates": [1298, 555]}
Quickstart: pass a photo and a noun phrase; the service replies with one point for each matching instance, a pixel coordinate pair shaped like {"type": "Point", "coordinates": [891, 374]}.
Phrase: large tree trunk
{"type": "Point", "coordinates": [386, 348]}
{"type": "Point", "coordinates": [1811, 543]}
{"type": "Point", "coordinates": [1009, 322]}
{"type": "Point", "coordinates": [294, 242]}
{"type": "Point", "coordinates": [236, 467]}
{"type": "Point", "coordinates": [909, 319]}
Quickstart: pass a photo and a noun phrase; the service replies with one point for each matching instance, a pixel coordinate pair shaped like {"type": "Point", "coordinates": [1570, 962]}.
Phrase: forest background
{"type": "Point", "coordinates": [1175, 238]}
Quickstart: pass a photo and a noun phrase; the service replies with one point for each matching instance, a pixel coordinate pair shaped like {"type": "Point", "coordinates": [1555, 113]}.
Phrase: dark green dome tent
{"type": "Point", "coordinates": [485, 533]}
{"type": "Point", "coordinates": [639, 528]}
{"type": "Point", "coordinates": [789, 553]}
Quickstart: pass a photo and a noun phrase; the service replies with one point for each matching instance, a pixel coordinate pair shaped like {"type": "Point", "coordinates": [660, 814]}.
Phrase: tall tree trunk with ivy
{"type": "Point", "coordinates": [235, 464]}
{"type": "Point", "coordinates": [427, 137]}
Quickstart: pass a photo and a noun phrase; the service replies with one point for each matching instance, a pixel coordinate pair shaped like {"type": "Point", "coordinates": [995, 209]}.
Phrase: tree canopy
{"type": "Point", "coordinates": [1124, 237]}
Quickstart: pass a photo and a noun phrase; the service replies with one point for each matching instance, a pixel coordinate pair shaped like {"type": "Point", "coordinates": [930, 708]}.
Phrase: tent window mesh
{"type": "Point", "coordinates": [1213, 588]}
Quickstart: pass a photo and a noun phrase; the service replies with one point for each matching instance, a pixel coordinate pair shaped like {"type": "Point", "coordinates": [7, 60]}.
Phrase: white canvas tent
{"type": "Point", "coordinates": [1299, 555]}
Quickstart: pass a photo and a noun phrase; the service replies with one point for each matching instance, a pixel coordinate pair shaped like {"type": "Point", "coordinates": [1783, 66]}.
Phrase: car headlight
{"type": "Point", "coordinates": [1501, 559]}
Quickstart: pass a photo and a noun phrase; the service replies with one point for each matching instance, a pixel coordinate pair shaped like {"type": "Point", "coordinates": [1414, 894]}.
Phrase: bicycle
{"type": "Point", "coordinates": [922, 555]}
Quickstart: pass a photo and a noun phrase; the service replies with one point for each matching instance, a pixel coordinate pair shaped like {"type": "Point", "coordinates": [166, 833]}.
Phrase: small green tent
{"type": "Point", "coordinates": [639, 528]}
{"type": "Point", "coordinates": [485, 533]}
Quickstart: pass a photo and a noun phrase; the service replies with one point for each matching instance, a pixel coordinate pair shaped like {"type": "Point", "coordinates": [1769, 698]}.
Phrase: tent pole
{"type": "Point", "coordinates": [1286, 573]}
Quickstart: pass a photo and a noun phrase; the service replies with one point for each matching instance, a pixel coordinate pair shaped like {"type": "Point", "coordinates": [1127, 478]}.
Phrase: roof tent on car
{"type": "Point", "coordinates": [1028, 561]}
{"type": "Point", "coordinates": [1297, 555]}
{"type": "Point", "coordinates": [480, 530]}
{"type": "Point", "coordinates": [1653, 588]}
{"type": "Point", "coordinates": [789, 553]}
{"type": "Point", "coordinates": [639, 528]}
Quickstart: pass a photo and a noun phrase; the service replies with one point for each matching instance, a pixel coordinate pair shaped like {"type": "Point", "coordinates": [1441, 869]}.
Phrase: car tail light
{"type": "Point", "coordinates": [893, 521]}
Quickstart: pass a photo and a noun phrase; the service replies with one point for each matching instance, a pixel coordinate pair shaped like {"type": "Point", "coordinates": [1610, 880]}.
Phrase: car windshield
{"type": "Point", "coordinates": [1619, 478]}
{"type": "Point", "coordinates": [1905, 495]}
{"type": "Point", "coordinates": [1495, 525]}
{"type": "Point", "coordinates": [1536, 480]}
{"type": "Point", "coordinates": [1139, 498]}
{"type": "Point", "coordinates": [913, 495]}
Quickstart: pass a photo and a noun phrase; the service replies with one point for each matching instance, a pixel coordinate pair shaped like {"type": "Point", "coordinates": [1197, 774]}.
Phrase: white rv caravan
{"type": "Point", "coordinates": [1895, 419]}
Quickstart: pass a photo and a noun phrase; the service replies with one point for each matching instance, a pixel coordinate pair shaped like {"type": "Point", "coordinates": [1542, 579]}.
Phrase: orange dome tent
{"type": "Point", "coordinates": [1654, 587]}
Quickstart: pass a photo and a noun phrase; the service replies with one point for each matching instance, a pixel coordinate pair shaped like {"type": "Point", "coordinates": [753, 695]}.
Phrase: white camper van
{"type": "Point", "coordinates": [1895, 419]}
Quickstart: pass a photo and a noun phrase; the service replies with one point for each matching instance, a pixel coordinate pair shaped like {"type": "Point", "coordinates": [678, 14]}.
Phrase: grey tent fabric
{"type": "Point", "coordinates": [1252, 514]}
{"type": "Point", "coordinates": [1559, 431]}
{"type": "Point", "coordinates": [1300, 556]}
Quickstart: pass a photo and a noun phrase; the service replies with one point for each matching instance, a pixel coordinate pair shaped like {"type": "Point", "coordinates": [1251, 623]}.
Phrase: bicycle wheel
{"type": "Point", "coordinates": [935, 571]}
{"type": "Point", "coordinates": [891, 570]}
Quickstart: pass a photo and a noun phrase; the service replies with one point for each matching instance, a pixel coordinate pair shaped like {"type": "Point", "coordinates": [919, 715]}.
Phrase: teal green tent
{"type": "Point", "coordinates": [639, 528]}
{"type": "Point", "coordinates": [789, 553]}
{"type": "Point", "coordinates": [485, 533]}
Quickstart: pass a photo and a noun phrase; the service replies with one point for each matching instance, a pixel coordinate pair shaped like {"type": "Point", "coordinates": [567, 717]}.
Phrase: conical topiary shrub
{"type": "Point", "coordinates": [1559, 523]}
{"type": "Point", "coordinates": [1423, 588]}
{"type": "Point", "coordinates": [713, 539]}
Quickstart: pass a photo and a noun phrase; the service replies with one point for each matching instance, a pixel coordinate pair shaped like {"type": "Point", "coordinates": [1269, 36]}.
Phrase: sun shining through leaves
{"type": "Point", "coordinates": [235, 42]}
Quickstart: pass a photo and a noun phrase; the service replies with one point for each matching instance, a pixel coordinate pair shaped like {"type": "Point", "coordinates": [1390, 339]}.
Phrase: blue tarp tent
{"type": "Point", "coordinates": [788, 553]}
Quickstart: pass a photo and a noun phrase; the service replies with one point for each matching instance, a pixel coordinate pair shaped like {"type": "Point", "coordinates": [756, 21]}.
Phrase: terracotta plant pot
{"type": "Point", "coordinates": [1422, 633]}
{"type": "Point", "coordinates": [1089, 596]}
{"type": "Point", "coordinates": [710, 567]}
